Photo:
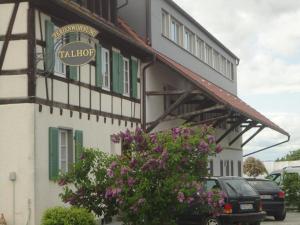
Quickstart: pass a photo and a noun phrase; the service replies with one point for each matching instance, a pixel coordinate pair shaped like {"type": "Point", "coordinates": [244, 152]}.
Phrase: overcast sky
{"type": "Point", "coordinates": [265, 35]}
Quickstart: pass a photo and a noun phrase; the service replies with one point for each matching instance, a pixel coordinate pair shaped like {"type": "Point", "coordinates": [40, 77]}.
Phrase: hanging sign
{"type": "Point", "coordinates": [80, 51]}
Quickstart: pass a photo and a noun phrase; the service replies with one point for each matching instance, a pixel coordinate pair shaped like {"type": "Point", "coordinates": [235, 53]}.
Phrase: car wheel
{"type": "Point", "coordinates": [211, 221]}
{"type": "Point", "coordinates": [280, 217]}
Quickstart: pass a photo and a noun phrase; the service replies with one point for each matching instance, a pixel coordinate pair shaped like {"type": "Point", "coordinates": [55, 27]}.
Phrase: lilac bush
{"type": "Point", "coordinates": [156, 179]}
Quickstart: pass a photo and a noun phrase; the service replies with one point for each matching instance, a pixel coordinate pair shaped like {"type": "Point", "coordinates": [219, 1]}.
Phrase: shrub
{"type": "Point", "coordinates": [157, 178]}
{"type": "Point", "coordinates": [254, 167]}
{"type": "Point", "coordinates": [67, 216]}
{"type": "Point", "coordinates": [291, 186]}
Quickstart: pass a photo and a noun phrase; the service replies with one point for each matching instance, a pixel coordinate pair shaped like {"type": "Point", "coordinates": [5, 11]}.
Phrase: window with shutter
{"type": "Point", "coordinates": [49, 58]}
{"type": "Point", "coordinates": [98, 73]}
{"type": "Point", "coordinates": [78, 144]}
{"type": "Point", "coordinates": [105, 69]}
{"type": "Point", "coordinates": [115, 72]}
{"type": "Point", "coordinates": [53, 153]}
{"type": "Point", "coordinates": [126, 77]}
{"type": "Point", "coordinates": [134, 76]}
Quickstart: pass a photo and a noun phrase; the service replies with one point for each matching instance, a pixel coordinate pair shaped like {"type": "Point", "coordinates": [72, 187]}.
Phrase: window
{"type": "Point", "coordinates": [105, 69]}
{"type": "Point", "coordinates": [189, 39]}
{"type": "Point", "coordinates": [175, 31]}
{"type": "Point", "coordinates": [126, 77]}
{"type": "Point", "coordinates": [200, 49]}
{"type": "Point", "coordinates": [239, 168]}
{"type": "Point", "coordinates": [63, 151]}
{"type": "Point", "coordinates": [232, 167]}
{"type": "Point", "coordinates": [211, 167]}
{"type": "Point", "coordinates": [227, 167]}
{"type": "Point", "coordinates": [228, 70]}
{"type": "Point", "coordinates": [208, 55]}
{"type": "Point", "coordinates": [221, 168]}
{"type": "Point", "coordinates": [223, 65]}
{"type": "Point", "coordinates": [165, 23]}
{"type": "Point", "coordinates": [59, 67]}
{"type": "Point", "coordinates": [210, 185]}
{"type": "Point", "coordinates": [216, 60]}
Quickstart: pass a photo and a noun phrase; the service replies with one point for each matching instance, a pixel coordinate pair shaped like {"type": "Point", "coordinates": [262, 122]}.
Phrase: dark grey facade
{"type": "Point", "coordinates": [147, 20]}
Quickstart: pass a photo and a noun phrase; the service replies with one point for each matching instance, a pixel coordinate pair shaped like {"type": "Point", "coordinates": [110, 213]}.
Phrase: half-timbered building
{"type": "Point", "coordinates": [153, 77]}
{"type": "Point", "coordinates": [48, 109]}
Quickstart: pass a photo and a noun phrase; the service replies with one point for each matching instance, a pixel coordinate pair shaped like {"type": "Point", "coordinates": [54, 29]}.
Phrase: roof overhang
{"type": "Point", "coordinates": [243, 114]}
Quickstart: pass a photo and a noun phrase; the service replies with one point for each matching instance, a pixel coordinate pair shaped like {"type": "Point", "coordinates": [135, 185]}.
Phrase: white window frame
{"type": "Point", "coordinates": [208, 54]}
{"type": "Point", "coordinates": [165, 25]}
{"type": "Point", "coordinates": [223, 65]}
{"type": "Point", "coordinates": [106, 76]}
{"type": "Point", "coordinates": [216, 60]}
{"type": "Point", "coordinates": [200, 51]}
{"type": "Point", "coordinates": [66, 146]}
{"type": "Point", "coordinates": [126, 75]}
{"type": "Point", "coordinates": [60, 68]}
{"type": "Point", "coordinates": [175, 35]}
{"type": "Point", "coordinates": [189, 39]}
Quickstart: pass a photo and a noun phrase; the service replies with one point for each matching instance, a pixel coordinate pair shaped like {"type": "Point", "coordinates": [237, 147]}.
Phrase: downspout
{"type": "Point", "coordinates": [148, 23]}
{"type": "Point", "coordinates": [144, 108]}
{"type": "Point", "coordinates": [272, 146]}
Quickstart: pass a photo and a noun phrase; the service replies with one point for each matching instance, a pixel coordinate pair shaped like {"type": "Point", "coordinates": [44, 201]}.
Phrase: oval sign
{"type": "Point", "coordinates": [76, 53]}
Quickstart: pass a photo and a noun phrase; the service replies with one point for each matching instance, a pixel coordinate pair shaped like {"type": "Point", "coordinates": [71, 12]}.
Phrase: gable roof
{"type": "Point", "coordinates": [229, 100]}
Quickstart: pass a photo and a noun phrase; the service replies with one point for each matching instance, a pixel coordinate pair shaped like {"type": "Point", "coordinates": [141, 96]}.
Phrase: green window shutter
{"type": "Point", "coordinates": [73, 69]}
{"type": "Point", "coordinates": [121, 74]}
{"type": "Point", "coordinates": [53, 153]}
{"type": "Point", "coordinates": [49, 58]}
{"type": "Point", "coordinates": [134, 75]}
{"type": "Point", "coordinates": [98, 66]}
{"type": "Point", "coordinates": [115, 72]}
{"type": "Point", "coordinates": [78, 144]}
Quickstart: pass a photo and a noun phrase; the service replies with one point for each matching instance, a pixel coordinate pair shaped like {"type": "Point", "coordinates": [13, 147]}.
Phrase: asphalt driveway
{"type": "Point", "coordinates": [292, 218]}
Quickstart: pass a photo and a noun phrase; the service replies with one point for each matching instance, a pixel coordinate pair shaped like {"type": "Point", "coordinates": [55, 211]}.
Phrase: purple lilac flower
{"type": "Point", "coordinates": [211, 139]}
{"type": "Point", "coordinates": [124, 171]}
{"type": "Point", "coordinates": [190, 200]}
{"type": "Point", "coordinates": [130, 181]}
{"type": "Point", "coordinates": [141, 201]}
{"type": "Point", "coordinates": [165, 155]}
{"type": "Point", "coordinates": [153, 138]}
{"type": "Point", "coordinates": [176, 132]}
{"type": "Point", "coordinates": [110, 173]}
{"type": "Point", "coordinates": [113, 165]}
{"type": "Point", "coordinates": [203, 147]}
{"type": "Point", "coordinates": [115, 138]}
{"type": "Point", "coordinates": [180, 197]}
{"type": "Point", "coordinates": [219, 149]}
{"type": "Point", "coordinates": [158, 149]}
{"type": "Point", "coordinates": [133, 163]}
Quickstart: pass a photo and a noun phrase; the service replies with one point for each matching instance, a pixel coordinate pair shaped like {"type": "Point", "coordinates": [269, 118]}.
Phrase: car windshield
{"type": "Point", "coordinates": [264, 185]}
{"type": "Point", "coordinates": [238, 188]}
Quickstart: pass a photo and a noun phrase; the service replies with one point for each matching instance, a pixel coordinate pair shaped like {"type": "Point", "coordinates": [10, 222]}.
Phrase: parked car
{"type": "Point", "coordinates": [272, 197]}
{"type": "Point", "coordinates": [242, 204]}
{"type": "Point", "coordinates": [277, 176]}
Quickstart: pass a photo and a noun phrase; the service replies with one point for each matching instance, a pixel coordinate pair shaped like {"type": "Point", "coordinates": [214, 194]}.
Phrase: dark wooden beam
{"type": "Point", "coordinates": [14, 72]}
{"type": "Point", "coordinates": [250, 126]}
{"type": "Point", "coordinates": [168, 111]}
{"type": "Point", "coordinates": [237, 123]}
{"type": "Point", "coordinates": [212, 120]}
{"type": "Point", "coordinates": [94, 88]}
{"type": "Point", "coordinates": [31, 51]}
{"type": "Point", "coordinates": [171, 92]}
{"type": "Point", "coordinates": [15, 37]}
{"type": "Point", "coordinates": [8, 34]}
{"type": "Point", "coordinates": [215, 107]}
{"type": "Point", "coordinates": [253, 136]}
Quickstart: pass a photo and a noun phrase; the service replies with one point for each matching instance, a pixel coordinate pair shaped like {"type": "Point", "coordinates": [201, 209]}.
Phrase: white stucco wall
{"type": "Point", "coordinates": [17, 155]}
{"type": "Point", "coordinates": [95, 135]}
